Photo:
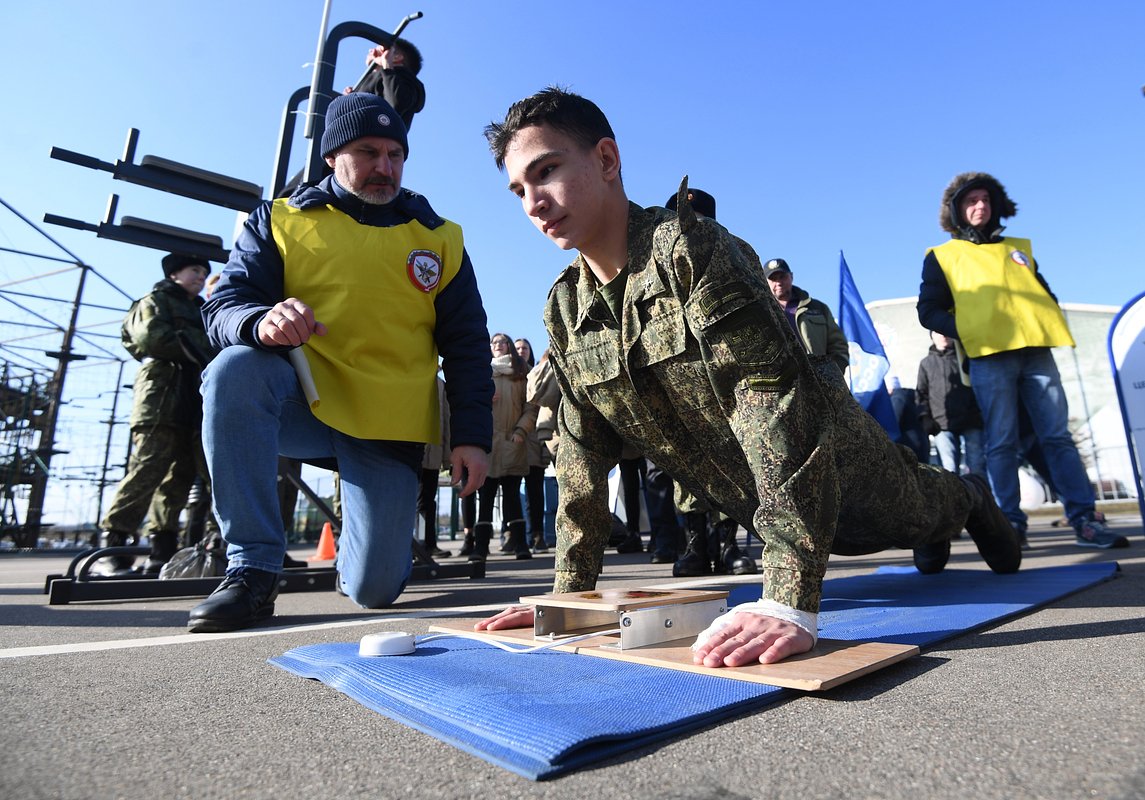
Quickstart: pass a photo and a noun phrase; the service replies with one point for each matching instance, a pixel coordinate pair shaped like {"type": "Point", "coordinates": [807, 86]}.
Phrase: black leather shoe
{"type": "Point", "coordinates": [691, 565]}
{"type": "Point", "coordinates": [663, 557]}
{"type": "Point", "coordinates": [631, 544]}
{"type": "Point", "coordinates": [931, 559]}
{"type": "Point", "coordinates": [993, 535]}
{"type": "Point", "coordinates": [243, 598]}
{"type": "Point", "coordinates": [737, 562]}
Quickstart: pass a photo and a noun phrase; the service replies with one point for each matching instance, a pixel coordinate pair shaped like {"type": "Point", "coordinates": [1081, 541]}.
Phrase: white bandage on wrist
{"type": "Point", "coordinates": [807, 620]}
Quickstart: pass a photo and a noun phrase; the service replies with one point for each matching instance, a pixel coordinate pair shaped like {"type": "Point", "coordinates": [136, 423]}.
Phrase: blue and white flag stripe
{"type": "Point", "coordinates": [869, 362]}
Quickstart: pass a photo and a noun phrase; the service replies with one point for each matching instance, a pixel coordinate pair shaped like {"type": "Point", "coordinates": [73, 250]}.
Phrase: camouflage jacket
{"type": "Point", "coordinates": [164, 330]}
{"type": "Point", "coordinates": [703, 375]}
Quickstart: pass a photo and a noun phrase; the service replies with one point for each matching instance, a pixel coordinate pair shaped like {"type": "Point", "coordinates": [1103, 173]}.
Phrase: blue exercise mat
{"type": "Point", "coordinates": [547, 713]}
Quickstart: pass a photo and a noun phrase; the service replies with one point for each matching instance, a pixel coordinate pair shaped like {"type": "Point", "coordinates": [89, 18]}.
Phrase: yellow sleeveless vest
{"type": "Point", "coordinates": [999, 304]}
{"type": "Point", "coordinates": [374, 288]}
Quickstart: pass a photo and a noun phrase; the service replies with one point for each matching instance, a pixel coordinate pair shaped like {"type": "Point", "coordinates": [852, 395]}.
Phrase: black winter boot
{"type": "Point", "coordinates": [930, 559]}
{"type": "Point", "coordinates": [631, 544]}
{"type": "Point", "coordinates": [164, 544]}
{"type": "Point", "coordinates": [482, 533]}
{"type": "Point", "coordinates": [516, 541]}
{"type": "Point", "coordinates": [243, 598]}
{"type": "Point", "coordinates": [993, 535]}
{"type": "Point", "coordinates": [695, 561]}
{"type": "Point", "coordinates": [118, 539]}
{"type": "Point", "coordinates": [466, 545]}
{"type": "Point", "coordinates": [732, 559]}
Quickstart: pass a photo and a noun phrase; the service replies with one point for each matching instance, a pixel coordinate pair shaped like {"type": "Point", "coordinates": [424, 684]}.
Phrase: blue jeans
{"type": "Point", "coordinates": [254, 411]}
{"type": "Point", "coordinates": [955, 449]}
{"type": "Point", "coordinates": [1030, 376]}
{"type": "Point", "coordinates": [551, 497]}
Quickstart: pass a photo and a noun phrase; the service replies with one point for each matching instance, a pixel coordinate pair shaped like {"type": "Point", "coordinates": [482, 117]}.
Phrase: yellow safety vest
{"type": "Point", "coordinates": [999, 303]}
{"type": "Point", "coordinates": [374, 288]}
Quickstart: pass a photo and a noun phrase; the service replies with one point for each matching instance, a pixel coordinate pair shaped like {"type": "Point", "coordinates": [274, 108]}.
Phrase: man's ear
{"type": "Point", "coordinates": [609, 154]}
{"type": "Point", "coordinates": [330, 161]}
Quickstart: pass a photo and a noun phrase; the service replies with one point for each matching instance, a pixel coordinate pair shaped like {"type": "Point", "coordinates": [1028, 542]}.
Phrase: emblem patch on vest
{"type": "Point", "coordinates": [1019, 258]}
{"type": "Point", "coordinates": [424, 268]}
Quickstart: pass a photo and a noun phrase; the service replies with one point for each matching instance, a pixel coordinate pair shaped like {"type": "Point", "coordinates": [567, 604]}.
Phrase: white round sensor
{"type": "Point", "coordinates": [391, 643]}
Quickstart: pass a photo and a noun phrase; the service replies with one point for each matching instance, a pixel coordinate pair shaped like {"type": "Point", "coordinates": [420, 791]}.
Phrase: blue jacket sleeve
{"type": "Point", "coordinates": [935, 300]}
{"type": "Point", "coordinates": [251, 283]}
{"type": "Point", "coordinates": [462, 338]}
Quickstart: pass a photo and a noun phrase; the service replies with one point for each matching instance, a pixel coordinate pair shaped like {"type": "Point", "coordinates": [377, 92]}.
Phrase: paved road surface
{"type": "Point", "coordinates": [114, 700]}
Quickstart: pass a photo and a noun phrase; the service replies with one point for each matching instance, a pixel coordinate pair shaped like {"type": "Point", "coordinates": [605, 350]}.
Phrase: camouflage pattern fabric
{"type": "Point", "coordinates": [165, 331]}
{"type": "Point", "coordinates": [163, 464]}
{"type": "Point", "coordinates": [704, 375]}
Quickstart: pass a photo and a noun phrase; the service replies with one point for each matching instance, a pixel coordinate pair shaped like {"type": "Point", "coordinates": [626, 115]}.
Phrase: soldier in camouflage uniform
{"type": "Point", "coordinates": [664, 335]}
{"type": "Point", "coordinates": [709, 549]}
{"type": "Point", "coordinates": [165, 331]}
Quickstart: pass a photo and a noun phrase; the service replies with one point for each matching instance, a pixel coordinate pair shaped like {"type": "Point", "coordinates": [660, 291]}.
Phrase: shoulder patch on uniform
{"type": "Point", "coordinates": [1019, 258]}
{"type": "Point", "coordinates": [424, 269]}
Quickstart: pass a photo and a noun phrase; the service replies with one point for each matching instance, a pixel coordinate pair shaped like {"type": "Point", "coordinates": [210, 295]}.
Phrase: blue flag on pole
{"type": "Point", "coordinates": [869, 362]}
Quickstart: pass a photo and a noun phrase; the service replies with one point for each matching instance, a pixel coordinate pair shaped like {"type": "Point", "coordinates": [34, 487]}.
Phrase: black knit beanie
{"type": "Point", "coordinates": [173, 262]}
{"type": "Point", "coordinates": [359, 114]}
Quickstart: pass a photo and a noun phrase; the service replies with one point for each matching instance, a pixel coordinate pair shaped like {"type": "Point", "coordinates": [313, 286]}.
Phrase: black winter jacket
{"type": "Point", "coordinates": [945, 403]}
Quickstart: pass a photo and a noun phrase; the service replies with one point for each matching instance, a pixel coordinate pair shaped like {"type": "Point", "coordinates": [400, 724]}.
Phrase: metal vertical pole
{"type": "Point", "coordinates": [319, 57]}
{"type": "Point", "coordinates": [107, 447]}
{"type": "Point", "coordinates": [46, 447]}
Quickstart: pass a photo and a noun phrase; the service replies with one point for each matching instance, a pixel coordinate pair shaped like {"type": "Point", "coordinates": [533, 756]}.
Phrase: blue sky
{"type": "Point", "coordinates": [818, 126]}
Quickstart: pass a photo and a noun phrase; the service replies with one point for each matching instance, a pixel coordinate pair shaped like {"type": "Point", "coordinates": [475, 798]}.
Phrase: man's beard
{"type": "Point", "coordinates": [376, 193]}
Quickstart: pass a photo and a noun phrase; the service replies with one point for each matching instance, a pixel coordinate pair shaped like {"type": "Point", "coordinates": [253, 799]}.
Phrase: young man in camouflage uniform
{"type": "Point", "coordinates": [664, 335]}
{"type": "Point", "coordinates": [165, 331]}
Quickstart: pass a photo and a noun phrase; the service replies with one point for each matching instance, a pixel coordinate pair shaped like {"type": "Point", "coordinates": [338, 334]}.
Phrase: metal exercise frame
{"type": "Point", "coordinates": [80, 584]}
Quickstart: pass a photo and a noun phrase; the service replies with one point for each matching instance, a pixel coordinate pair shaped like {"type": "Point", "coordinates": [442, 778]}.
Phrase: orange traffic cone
{"type": "Point", "coordinates": [325, 550]}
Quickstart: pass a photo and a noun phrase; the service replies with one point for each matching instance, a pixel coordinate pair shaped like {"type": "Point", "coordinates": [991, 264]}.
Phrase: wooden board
{"type": "Point", "coordinates": [622, 599]}
{"type": "Point", "coordinates": [831, 663]}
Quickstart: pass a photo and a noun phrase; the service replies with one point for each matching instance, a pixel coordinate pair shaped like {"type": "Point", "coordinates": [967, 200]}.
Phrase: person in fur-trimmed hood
{"type": "Point", "coordinates": [983, 289]}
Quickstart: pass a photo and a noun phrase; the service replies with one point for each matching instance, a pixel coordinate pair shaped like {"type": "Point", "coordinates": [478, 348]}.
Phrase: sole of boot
{"type": "Point", "coordinates": [207, 625]}
{"type": "Point", "coordinates": [997, 541]}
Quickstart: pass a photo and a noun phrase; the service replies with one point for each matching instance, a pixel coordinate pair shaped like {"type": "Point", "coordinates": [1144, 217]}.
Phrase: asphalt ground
{"type": "Point", "coordinates": [114, 700]}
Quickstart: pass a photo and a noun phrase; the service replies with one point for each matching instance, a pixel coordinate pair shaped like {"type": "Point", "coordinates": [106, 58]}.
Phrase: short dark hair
{"type": "Point", "coordinates": [576, 117]}
{"type": "Point", "coordinates": [411, 54]}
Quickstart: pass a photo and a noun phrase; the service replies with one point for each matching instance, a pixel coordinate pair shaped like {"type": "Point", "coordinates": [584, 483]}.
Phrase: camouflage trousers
{"type": "Point", "coordinates": [687, 503]}
{"type": "Point", "coordinates": [856, 490]}
{"type": "Point", "coordinates": [164, 462]}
